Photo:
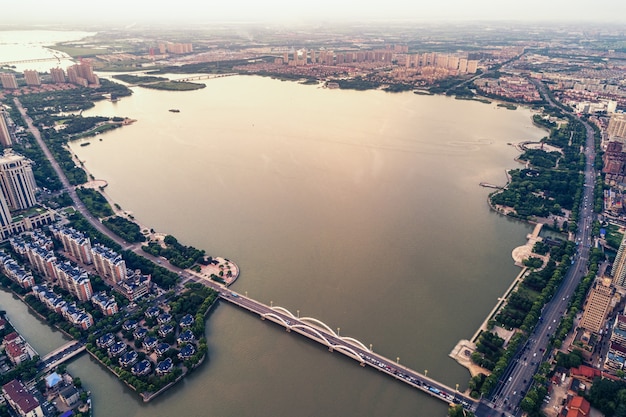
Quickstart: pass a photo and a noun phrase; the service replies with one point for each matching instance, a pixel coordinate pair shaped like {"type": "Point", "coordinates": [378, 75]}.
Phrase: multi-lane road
{"type": "Point", "coordinates": [518, 376]}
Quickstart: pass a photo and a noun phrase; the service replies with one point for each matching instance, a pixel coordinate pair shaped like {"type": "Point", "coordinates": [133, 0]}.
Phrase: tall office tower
{"type": "Point", "coordinates": [32, 77]}
{"type": "Point", "coordinates": [598, 304]}
{"type": "Point", "coordinates": [617, 126]}
{"type": "Point", "coordinates": [618, 271]}
{"type": "Point", "coordinates": [8, 80]}
{"type": "Point", "coordinates": [313, 61]}
{"type": "Point", "coordinates": [5, 136]}
{"type": "Point", "coordinates": [286, 58]}
{"type": "Point", "coordinates": [472, 66]}
{"type": "Point", "coordinates": [17, 181]}
{"type": "Point", "coordinates": [58, 75]}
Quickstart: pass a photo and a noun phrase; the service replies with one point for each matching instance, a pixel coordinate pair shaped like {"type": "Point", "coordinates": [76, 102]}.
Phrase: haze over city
{"type": "Point", "coordinates": [285, 11]}
{"type": "Point", "coordinates": [426, 200]}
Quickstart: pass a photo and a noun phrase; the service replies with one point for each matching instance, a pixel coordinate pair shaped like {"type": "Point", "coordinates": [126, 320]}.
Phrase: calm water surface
{"type": "Point", "coordinates": [361, 209]}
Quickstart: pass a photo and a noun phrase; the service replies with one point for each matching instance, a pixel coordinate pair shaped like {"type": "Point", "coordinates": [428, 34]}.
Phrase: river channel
{"type": "Point", "coordinates": [361, 209]}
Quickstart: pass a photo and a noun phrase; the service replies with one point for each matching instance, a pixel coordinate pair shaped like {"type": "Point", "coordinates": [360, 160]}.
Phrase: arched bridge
{"type": "Point", "coordinates": [320, 332]}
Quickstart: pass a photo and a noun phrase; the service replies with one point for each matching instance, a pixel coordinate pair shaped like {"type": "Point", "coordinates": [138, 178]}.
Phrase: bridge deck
{"type": "Point", "coordinates": [351, 348]}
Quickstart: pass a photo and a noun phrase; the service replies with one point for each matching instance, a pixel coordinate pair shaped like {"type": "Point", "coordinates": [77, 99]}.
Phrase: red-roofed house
{"type": "Point", "coordinates": [16, 352]}
{"type": "Point", "coordinates": [578, 407]}
{"type": "Point", "coordinates": [21, 400]}
{"type": "Point", "coordinates": [11, 337]}
{"type": "Point", "coordinates": [587, 374]}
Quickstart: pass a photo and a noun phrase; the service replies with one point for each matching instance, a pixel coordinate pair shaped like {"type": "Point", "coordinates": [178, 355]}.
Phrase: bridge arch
{"type": "Point", "coordinates": [320, 323]}
{"type": "Point", "coordinates": [316, 322]}
{"type": "Point", "coordinates": [284, 311]}
{"type": "Point", "coordinates": [356, 342]}
{"type": "Point", "coordinates": [276, 316]}
{"type": "Point", "coordinates": [315, 331]}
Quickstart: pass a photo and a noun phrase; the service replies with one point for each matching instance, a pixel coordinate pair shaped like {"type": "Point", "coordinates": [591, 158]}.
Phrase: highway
{"type": "Point", "coordinates": [518, 376]}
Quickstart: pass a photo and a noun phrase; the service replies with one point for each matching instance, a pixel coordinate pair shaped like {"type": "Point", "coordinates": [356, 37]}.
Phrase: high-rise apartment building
{"type": "Point", "coordinates": [8, 80]}
{"type": "Point", "coordinates": [472, 66]}
{"type": "Point", "coordinates": [5, 135]}
{"type": "Point", "coordinates": [42, 261]}
{"type": "Point", "coordinates": [108, 263]}
{"type": "Point", "coordinates": [453, 62]}
{"type": "Point", "coordinates": [58, 75]}
{"type": "Point", "coordinates": [32, 77]}
{"type": "Point", "coordinates": [74, 280]}
{"type": "Point", "coordinates": [74, 242]}
{"type": "Point", "coordinates": [618, 271]}
{"type": "Point", "coordinates": [598, 305]}
{"type": "Point", "coordinates": [82, 74]}
{"type": "Point", "coordinates": [462, 65]}
{"type": "Point", "coordinates": [176, 48]}
{"type": "Point", "coordinates": [17, 181]}
{"type": "Point", "coordinates": [5, 215]}
{"type": "Point", "coordinates": [617, 126]}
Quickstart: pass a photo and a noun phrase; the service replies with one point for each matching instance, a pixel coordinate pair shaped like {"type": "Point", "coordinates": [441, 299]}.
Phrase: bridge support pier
{"type": "Point", "coordinates": [262, 318]}
{"type": "Point", "coordinates": [288, 329]}
{"type": "Point", "coordinates": [362, 364]}
{"type": "Point", "coordinates": [330, 348]}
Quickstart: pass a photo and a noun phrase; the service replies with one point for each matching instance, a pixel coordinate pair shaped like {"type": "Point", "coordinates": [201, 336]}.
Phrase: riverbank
{"type": "Point", "coordinates": [222, 268]}
{"type": "Point", "coordinates": [464, 349]}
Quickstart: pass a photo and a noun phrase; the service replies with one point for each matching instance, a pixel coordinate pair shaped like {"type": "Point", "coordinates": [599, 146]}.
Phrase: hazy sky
{"type": "Point", "coordinates": [124, 11]}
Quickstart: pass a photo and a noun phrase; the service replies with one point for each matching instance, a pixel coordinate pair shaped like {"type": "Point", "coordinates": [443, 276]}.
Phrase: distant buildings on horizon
{"type": "Point", "coordinates": [78, 74]}
{"type": "Point", "coordinates": [454, 62]}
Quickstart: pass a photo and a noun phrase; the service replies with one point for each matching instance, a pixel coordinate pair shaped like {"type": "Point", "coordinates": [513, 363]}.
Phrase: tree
{"type": "Point", "coordinates": [458, 411]}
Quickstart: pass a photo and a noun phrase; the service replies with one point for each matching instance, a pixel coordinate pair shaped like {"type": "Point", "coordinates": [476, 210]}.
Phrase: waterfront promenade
{"type": "Point", "coordinates": [464, 348]}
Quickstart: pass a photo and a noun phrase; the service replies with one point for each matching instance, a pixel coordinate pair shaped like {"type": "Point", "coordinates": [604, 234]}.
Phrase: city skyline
{"type": "Point", "coordinates": [283, 11]}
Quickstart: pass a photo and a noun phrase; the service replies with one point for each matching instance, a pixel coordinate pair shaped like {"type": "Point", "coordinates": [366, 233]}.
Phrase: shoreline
{"type": "Point", "coordinates": [206, 271]}
{"type": "Point", "coordinates": [464, 348]}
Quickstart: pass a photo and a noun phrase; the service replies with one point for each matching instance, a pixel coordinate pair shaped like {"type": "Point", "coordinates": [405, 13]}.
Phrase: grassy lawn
{"type": "Point", "coordinates": [613, 236]}
{"type": "Point", "coordinates": [75, 51]}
